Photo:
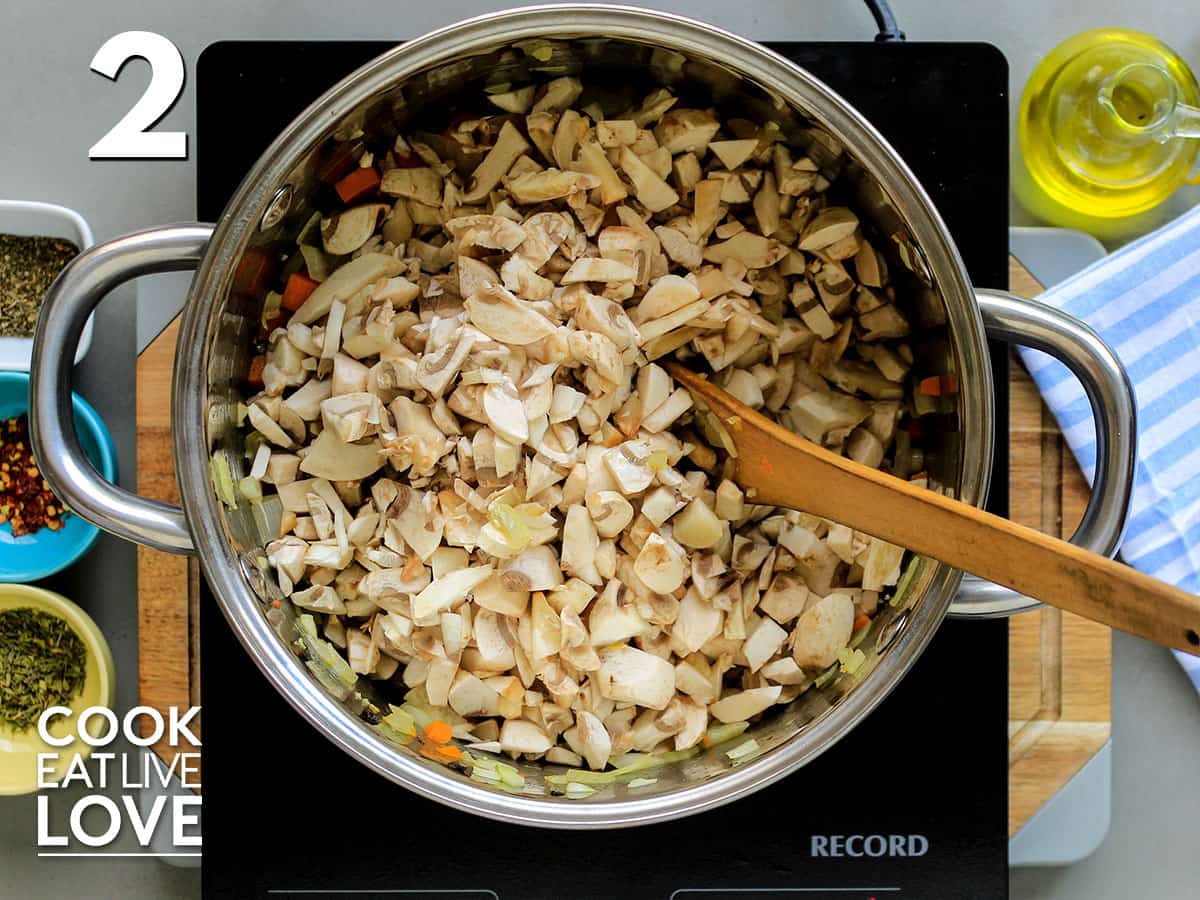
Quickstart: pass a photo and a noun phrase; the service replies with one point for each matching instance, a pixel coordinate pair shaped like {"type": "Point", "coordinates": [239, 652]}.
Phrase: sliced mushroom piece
{"type": "Point", "coordinates": [595, 743]}
{"type": "Point", "coordinates": [533, 569]}
{"type": "Point", "coordinates": [629, 675]}
{"type": "Point", "coordinates": [550, 184]}
{"type": "Point", "coordinates": [470, 696]}
{"type": "Point", "coordinates": [652, 192]}
{"type": "Point", "coordinates": [698, 622]}
{"type": "Point", "coordinates": [559, 94]}
{"type": "Point", "coordinates": [695, 722]}
{"type": "Point", "coordinates": [733, 153]}
{"type": "Point", "coordinates": [516, 101]}
{"type": "Point", "coordinates": [610, 621]}
{"type": "Point", "coordinates": [565, 403]}
{"type": "Point", "coordinates": [519, 736]}
{"type": "Point", "coordinates": [346, 231]}
{"type": "Point", "coordinates": [751, 250]}
{"type": "Point", "coordinates": [786, 598]}
{"type": "Point", "coordinates": [509, 147]}
{"type": "Point", "coordinates": [695, 678]}
{"type": "Point", "coordinates": [523, 280]}
{"type": "Point", "coordinates": [474, 275]}
{"type": "Point", "coordinates": [579, 543]}
{"type": "Point", "coordinates": [822, 631]}
{"type": "Point", "coordinates": [610, 512]}
{"type": "Point", "coordinates": [882, 565]}
{"type": "Point", "coordinates": [505, 413]}
{"type": "Point", "coordinates": [660, 566]}
{"type": "Point", "coordinates": [598, 352]}
{"type": "Point", "coordinates": [597, 269]}
{"type": "Point", "coordinates": [490, 232]}
{"type": "Point", "coordinates": [348, 415]}
{"type": "Point", "coordinates": [743, 705]}
{"type": "Point", "coordinates": [681, 250]}
{"type": "Point", "coordinates": [628, 467]}
{"type": "Point", "coordinates": [870, 267]}
{"type": "Point", "coordinates": [449, 590]}
{"type": "Point", "coordinates": [422, 184]}
{"type": "Point", "coordinates": [503, 317]}
{"type": "Point", "coordinates": [594, 161]}
{"type": "Point", "coordinates": [382, 584]}
{"type": "Point", "coordinates": [668, 412]}
{"type": "Point", "coordinates": [763, 642]}
{"type": "Point", "coordinates": [319, 598]}
{"type": "Point", "coordinates": [667, 295]}
{"type": "Point", "coordinates": [686, 130]}
{"type": "Point", "coordinates": [332, 458]}
{"type": "Point", "coordinates": [346, 281]}
{"type": "Point", "coordinates": [882, 323]}
{"type": "Point", "coordinates": [829, 226]}
{"type": "Point", "coordinates": [545, 629]}
{"type": "Point", "coordinates": [495, 595]}
{"type": "Point", "coordinates": [697, 526]}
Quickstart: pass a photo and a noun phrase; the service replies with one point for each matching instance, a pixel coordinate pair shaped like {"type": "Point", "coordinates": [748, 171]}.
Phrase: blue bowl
{"type": "Point", "coordinates": [39, 555]}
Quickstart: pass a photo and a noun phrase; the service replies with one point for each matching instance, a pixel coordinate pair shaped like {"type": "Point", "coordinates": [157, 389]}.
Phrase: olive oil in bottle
{"type": "Point", "coordinates": [1108, 128]}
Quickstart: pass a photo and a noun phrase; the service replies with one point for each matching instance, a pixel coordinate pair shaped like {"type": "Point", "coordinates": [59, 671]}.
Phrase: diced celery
{"type": "Point", "coordinates": [827, 676]}
{"type": "Point", "coordinates": [719, 734]}
{"type": "Point", "coordinates": [743, 751]}
{"type": "Point", "coordinates": [905, 583]}
{"type": "Point", "coordinates": [222, 480]}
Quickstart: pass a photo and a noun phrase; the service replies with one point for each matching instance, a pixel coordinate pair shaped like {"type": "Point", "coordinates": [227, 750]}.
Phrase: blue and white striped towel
{"type": "Point", "coordinates": [1144, 300]}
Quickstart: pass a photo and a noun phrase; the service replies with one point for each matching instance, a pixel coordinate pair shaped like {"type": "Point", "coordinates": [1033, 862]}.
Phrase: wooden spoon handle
{"type": "Point", "coordinates": [779, 468]}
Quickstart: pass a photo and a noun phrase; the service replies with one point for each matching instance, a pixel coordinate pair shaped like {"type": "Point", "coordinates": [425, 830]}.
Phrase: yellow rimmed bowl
{"type": "Point", "coordinates": [19, 750]}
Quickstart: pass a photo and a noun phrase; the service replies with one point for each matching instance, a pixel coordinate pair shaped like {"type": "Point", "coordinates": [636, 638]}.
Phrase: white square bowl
{"type": "Point", "coordinates": [29, 218]}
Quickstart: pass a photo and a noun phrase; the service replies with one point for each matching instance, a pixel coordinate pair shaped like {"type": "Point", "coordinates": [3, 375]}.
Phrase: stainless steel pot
{"type": "Point", "coordinates": [632, 50]}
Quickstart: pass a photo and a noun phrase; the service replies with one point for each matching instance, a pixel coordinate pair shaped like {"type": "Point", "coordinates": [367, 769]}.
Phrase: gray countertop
{"type": "Point", "coordinates": [54, 109]}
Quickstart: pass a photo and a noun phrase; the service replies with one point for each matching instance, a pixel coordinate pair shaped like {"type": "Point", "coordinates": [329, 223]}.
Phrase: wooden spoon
{"type": "Point", "coordinates": [781, 469]}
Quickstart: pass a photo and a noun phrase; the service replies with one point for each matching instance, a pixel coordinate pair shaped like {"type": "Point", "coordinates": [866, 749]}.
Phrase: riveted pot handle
{"type": "Point", "coordinates": [78, 290]}
{"type": "Point", "coordinates": [1092, 361]}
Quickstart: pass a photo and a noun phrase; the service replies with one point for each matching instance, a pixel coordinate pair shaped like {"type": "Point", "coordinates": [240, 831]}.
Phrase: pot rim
{"type": "Point", "coordinates": [223, 568]}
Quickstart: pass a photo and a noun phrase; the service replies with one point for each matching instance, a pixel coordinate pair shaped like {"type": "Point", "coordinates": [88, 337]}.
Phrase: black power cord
{"type": "Point", "coordinates": [885, 21]}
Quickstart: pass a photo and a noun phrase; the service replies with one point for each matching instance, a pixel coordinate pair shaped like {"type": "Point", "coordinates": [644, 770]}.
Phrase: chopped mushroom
{"type": "Point", "coordinates": [492, 495]}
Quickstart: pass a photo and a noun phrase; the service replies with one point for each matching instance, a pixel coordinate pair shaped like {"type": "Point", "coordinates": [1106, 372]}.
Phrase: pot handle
{"type": "Point", "coordinates": [80, 287]}
{"type": "Point", "coordinates": [1033, 324]}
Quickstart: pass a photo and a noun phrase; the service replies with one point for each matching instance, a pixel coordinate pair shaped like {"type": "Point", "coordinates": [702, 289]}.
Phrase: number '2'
{"type": "Point", "coordinates": [131, 138]}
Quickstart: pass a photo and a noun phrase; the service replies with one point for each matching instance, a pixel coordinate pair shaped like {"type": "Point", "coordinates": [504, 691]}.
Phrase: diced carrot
{"type": "Point", "coordinates": [861, 622]}
{"type": "Point", "coordinates": [340, 159]}
{"type": "Point", "coordinates": [931, 386]}
{"type": "Point", "coordinates": [451, 752]}
{"type": "Point", "coordinates": [254, 273]}
{"type": "Point", "coordinates": [359, 183]}
{"type": "Point", "coordinates": [438, 732]}
{"type": "Point", "coordinates": [949, 384]}
{"type": "Point", "coordinates": [299, 286]}
{"type": "Point", "coordinates": [255, 377]}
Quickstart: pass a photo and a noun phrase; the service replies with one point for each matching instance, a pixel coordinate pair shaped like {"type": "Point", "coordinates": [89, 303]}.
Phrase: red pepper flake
{"type": "Point", "coordinates": [27, 504]}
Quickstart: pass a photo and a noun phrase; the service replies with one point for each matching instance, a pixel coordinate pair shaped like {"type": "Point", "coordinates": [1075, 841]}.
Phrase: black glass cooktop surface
{"type": "Point", "coordinates": [922, 780]}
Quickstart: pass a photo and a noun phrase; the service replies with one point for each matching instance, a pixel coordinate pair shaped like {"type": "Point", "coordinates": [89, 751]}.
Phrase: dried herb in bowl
{"type": "Point", "coordinates": [28, 266]}
{"type": "Point", "coordinates": [42, 664]}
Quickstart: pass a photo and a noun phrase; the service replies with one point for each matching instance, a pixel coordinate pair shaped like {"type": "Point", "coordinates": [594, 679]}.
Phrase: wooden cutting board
{"type": "Point", "coordinates": [1060, 666]}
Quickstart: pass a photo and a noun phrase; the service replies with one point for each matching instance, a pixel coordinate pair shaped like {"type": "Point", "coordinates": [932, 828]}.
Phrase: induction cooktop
{"type": "Point", "coordinates": [912, 804]}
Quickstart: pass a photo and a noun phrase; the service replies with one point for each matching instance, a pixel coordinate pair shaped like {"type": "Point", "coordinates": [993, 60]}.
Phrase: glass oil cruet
{"type": "Point", "coordinates": [1108, 128]}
